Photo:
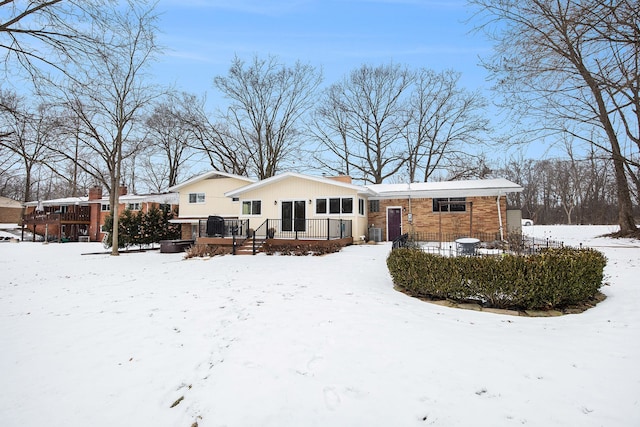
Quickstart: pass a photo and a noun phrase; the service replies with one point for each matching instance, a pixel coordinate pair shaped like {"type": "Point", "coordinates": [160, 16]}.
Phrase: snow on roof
{"type": "Point", "coordinates": [210, 175]}
{"type": "Point", "coordinates": [6, 202]}
{"type": "Point", "coordinates": [286, 175]}
{"type": "Point", "coordinates": [168, 198]}
{"type": "Point", "coordinates": [64, 201]}
{"type": "Point", "coordinates": [476, 187]}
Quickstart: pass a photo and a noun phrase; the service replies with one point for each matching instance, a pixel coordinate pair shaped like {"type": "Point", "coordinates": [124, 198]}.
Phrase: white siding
{"type": "Point", "coordinates": [215, 201]}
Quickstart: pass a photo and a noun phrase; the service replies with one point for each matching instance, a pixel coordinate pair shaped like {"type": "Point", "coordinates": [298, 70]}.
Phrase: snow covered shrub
{"type": "Point", "coordinates": [301, 249]}
{"type": "Point", "coordinates": [202, 251]}
{"type": "Point", "coordinates": [554, 278]}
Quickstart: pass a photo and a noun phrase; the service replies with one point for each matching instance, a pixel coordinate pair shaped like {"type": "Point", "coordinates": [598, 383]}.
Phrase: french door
{"type": "Point", "coordinates": [293, 215]}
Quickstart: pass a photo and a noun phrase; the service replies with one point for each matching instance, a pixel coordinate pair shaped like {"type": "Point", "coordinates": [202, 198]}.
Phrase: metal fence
{"type": "Point", "coordinates": [220, 227]}
{"type": "Point", "coordinates": [487, 244]}
{"type": "Point", "coordinates": [305, 229]}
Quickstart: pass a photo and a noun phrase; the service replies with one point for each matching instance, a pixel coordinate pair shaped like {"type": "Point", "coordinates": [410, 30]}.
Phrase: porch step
{"type": "Point", "coordinates": [247, 247]}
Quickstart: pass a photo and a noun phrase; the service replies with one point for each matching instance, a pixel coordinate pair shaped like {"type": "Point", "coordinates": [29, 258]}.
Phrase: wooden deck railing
{"type": "Point", "coordinates": [83, 216]}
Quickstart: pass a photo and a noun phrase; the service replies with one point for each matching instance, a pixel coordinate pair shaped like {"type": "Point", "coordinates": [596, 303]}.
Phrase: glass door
{"type": "Point", "coordinates": [293, 215]}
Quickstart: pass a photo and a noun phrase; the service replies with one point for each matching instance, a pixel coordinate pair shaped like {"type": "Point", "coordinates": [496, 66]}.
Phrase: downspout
{"type": "Point", "coordinates": [410, 215]}
{"type": "Point", "coordinates": [500, 218]}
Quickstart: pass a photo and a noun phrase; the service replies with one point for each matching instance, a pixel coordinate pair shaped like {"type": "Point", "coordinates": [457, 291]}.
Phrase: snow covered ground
{"type": "Point", "coordinates": [94, 340]}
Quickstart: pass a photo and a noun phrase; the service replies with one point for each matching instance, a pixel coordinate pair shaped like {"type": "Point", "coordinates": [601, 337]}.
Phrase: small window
{"type": "Point", "coordinates": [133, 206]}
{"type": "Point", "coordinates": [321, 206]}
{"type": "Point", "coordinates": [361, 206]}
{"type": "Point", "coordinates": [450, 204]}
{"type": "Point", "coordinates": [235, 199]}
{"type": "Point", "coordinates": [164, 207]}
{"type": "Point", "coordinates": [347, 205]}
{"type": "Point", "coordinates": [374, 205]}
{"type": "Point", "coordinates": [252, 207]}
{"type": "Point", "coordinates": [196, 197]}
{"type": "Point", "coordinates": [334, 206]}
{"type": "Point", "coordinates": [105, 207]}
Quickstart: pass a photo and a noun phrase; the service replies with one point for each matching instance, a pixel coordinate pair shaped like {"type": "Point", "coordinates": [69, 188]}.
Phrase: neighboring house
{"type": "Point", "coordinates": [82, 218]}
{"type": "Point", "coordinates": [297, 206]}
{"type": "Point", "coordinates": [10, 211]}
{"type": "Point", "coordinates": [204, 196]}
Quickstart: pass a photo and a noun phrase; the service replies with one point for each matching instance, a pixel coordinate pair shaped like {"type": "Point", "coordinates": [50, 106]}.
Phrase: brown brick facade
{"type": "Point", "coordinates": [480, 217]}
{"type": "Point", "coordinates": [10, 215]}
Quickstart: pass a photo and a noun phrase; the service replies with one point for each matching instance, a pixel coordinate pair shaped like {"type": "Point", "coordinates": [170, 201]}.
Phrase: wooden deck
{"type": "Point", "coordinates": [61, 226]}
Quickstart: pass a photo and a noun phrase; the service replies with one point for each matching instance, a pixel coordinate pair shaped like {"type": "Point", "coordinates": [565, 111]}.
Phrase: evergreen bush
{"type": "Point", "coordinates": [143, 229]}
{"type": "Point", "coordinates": [551, 279]}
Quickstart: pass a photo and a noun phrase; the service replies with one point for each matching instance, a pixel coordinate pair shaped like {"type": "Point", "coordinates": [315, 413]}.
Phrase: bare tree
{"type": "Point", "coordinates": [442, 118]}
{"type": "Point", "coordinates": [170, 138]}
{"type": "Point", "coordinates": [107, 96]}
{"type": "Point", "coordinates": [212, 140]}
{"type": "Point", "coordinates": [366, 112]}
{"type": "Point", "coordinates": [573, 66]}
{"type": "Point", "coordinates": [45, 35]}
{"type": "Point", "coordinates": [267, 100]}
{"type": "Point", "coordinates": [26, 136]}
{"type": "Point", "coordinates": [329, 126]}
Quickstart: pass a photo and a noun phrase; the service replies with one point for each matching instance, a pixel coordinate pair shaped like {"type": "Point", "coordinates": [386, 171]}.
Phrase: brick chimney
{"type": "Point", "coordinates": [95, 193]}
{"type": "Point", "coordinates": [123, 190]}
{"type": "Point", "coordinates": [342, 178]}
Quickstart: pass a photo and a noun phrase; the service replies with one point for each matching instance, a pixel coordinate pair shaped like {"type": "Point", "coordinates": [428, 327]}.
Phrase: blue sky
{"type": "Point", "coordinates": [203, 36]}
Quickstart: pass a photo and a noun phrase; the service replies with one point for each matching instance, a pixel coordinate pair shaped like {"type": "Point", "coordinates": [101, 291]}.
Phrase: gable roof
{"type": "Point", "coordinates": [269, 181]}
{"type": "Point", "coordinates": [210, 175]}
{"type": "Point", "coordinates": [6, 202]}
{"type": "Point", "coordinates": [476, 187]}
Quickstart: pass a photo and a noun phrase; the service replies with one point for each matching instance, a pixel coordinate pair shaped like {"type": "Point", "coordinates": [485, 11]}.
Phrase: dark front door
{"type": "Point", "coordinates": [293, 216]}
{"type": "Point", "coordinates": [394, 223]}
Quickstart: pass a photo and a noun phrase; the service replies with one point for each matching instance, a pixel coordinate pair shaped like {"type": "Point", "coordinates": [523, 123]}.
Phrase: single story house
{"type": "Point", "coordinates": [300, 207]}
{"type": "Point", "coordinates": [82, 218]}
{"type": "Point", "coordinates": [10, 211]}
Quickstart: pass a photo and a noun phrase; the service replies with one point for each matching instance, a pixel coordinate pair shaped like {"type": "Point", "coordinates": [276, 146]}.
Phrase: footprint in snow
{"type": "Point", "coordinates": [331, 398]}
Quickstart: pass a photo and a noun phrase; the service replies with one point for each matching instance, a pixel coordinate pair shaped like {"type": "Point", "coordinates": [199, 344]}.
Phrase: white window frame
{"type": "Point", "coordinates": [199, 198]}
{"type": "Point", "coordinates": [340, 199]}
{"type": "Point", "coordinates": [105, 207]}
{"type": "Point", "coordinates": [135, 206]}
{"type": "Point", "coordinates": [252, 204]}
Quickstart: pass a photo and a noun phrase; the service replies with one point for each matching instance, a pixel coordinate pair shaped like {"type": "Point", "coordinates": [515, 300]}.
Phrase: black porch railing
{"type": "Point", "coordinates": [305, 229]}
{"type": "Point", "coordinates": [216, 226]}
{"type": "Point", "coordinates": [488, 244]}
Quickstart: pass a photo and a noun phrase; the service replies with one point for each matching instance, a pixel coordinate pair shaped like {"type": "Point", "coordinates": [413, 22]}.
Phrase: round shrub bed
{"type": "Point", "coordinates": [552, 279]}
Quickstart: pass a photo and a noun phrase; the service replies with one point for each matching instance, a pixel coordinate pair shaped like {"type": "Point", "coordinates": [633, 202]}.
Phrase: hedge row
{"type": "Point", "coordinates": [301, 249]}
{"type": "Point", "coordinates": [554, 278]}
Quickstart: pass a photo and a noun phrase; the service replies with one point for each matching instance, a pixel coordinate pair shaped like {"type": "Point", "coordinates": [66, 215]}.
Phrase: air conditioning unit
{"type": "Point", "coordinates": [375, 234]}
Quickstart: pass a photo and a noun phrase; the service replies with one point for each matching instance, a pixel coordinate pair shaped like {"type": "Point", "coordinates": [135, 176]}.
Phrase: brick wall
{"type": "Point", "coordinates": [10, 215]}
{"type": "Point", "coordinates": [481, 215]}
